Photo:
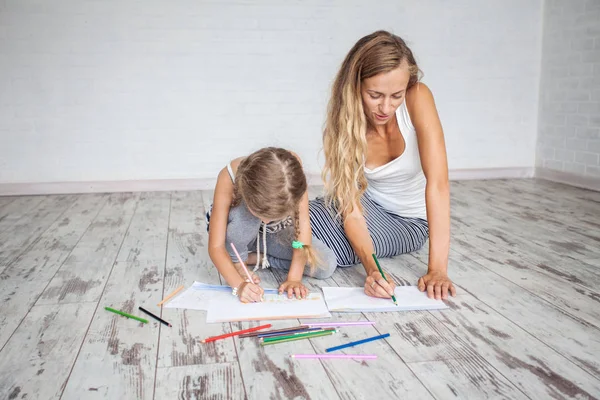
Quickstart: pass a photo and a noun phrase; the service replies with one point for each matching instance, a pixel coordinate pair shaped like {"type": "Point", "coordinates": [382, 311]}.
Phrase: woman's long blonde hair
{"type": "Point", "coordinates": [344, 137]}
{"type": "Point", "coordinates": [271, 181]}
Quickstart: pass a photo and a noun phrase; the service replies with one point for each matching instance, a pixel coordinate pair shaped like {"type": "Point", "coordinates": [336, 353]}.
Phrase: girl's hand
{"type": "Point", "coordinates": [437, 284]}
{"type": "Point", "coordinates": [250, 293]}
{"type": "Point", "coordinates": [293, 288]}
{"type": "Point", "coordinates": [376, 286]}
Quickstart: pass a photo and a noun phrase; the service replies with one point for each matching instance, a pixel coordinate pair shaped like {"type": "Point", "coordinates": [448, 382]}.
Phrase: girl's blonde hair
{"type": "Point", "coordinates": [344, 137]}
{"type": "Point", "coordinates": [271, 182]}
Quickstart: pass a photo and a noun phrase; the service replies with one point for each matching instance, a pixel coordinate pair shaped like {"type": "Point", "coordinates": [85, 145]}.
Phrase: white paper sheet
{"type": "Point", "coordinates": [354, 299]}
{"type": "Point", "coordinates": [275, 306]}
{"type": "Point", "coordinates": [199, 295]}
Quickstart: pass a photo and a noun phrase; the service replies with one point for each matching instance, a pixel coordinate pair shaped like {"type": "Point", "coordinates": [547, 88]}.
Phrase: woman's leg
{"type": "Point", "coordinates": [392, 235]}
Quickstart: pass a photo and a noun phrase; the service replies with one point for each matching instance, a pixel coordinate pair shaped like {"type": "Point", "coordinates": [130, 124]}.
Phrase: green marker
{"type": "Point", "coordinates": [145, 321]}
{"type": "Point", "coordinates": [381, 272]}
{"type": "Point", "coordinates": [264, 343]}
{"type": "Point", "coordinates": [296, 335]}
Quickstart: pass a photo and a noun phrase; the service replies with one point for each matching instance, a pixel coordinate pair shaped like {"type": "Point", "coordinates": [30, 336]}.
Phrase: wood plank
{"type": "Point", "coordinates": [123, 352]}
{"type": "Point", "coordinates": [464, 379]}
{"type": "Point", "coordinates": [387, 376]}
{"type": "Point", "coordinates": [523, 217]}
{"type": "Point", "coordinates": [187, 261]}
{"type": "Point", "coordinates": [269, 372]}
{"type": "Point", "coordinates": [505, 247]}
{"type": "Point", "coordinates": [11, 212]}
{"type": "Point", "coordinates": [5, 200]}
{"type": "Point", "coordinates": [532, 313]}
{"type": "Point", "coordinates": [36, 362]}
{"type": "Point", "coordinates": [209, 381]}
{"type": "Point", "coordinates": [25, 280]}
{"type": "Point", "coordinates": [574, 299]}
{"type": "Point", "coordinates": [538, 370]}
{"type": "Point", "coordinates": [147, 235]}
{"type": "Point", "coordinates": [83, 275]}
{"type": "Point", "coordinates": [27, 229]}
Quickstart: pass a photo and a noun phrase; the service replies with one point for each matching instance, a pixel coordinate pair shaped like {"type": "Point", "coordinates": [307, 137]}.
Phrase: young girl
{"type": "Point", "coordinates": [261, 205]}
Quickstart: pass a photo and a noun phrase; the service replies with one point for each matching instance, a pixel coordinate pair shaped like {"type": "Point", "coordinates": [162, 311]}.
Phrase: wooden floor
{"type": "Point", "coordinates": [525, 256]}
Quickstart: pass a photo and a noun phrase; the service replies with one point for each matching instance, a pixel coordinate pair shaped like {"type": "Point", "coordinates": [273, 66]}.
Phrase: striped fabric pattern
{"type": "Point", "coordinates": [392, 235]}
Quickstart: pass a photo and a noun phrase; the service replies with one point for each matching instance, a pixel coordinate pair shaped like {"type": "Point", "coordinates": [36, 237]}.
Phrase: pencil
{"type": "Point", "coordinates": [171, 295]}
{"type": "Point", "coordinates": [354, 356]}
{"type": "Point", "coordinates": [343, 346]}
{"type": "Point", "coordinates": [142, 320]}
{"type": "Point", "coordinates": [256, 328]}
{"type": "Point", "coordinates": [296, 338]}
{"type": "Point", "coordinates": [241, 262]}
{"type": "Point", "coordinates": [155, 316]}
{"type": "Point", "coordinates": [274, 331]}
{"type": "Point", "coordinates": [382, 274]}
{"type": "Point", "coordinates": [296, 335]}
{"type": "Point", "coordinates": [278, 334]}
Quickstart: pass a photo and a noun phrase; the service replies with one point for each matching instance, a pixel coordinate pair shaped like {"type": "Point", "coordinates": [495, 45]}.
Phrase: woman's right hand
{"type": "Point", "coordinates": [376, 286]}
{"type": "Point", "coordinates": [250, 293]}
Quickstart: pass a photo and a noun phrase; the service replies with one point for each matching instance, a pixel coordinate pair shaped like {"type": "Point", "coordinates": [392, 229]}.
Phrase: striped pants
{"type": "Point", "coordinates": [391, 234]}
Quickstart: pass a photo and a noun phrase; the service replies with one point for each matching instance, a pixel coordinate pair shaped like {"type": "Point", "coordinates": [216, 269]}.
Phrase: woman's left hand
{"type": "Point", "coordinates": [437, 284]}
{"type": "Point", "coordinates": [293, 288]}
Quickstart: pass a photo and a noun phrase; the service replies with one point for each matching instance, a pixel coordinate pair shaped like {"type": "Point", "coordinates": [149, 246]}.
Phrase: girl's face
{"type": "Point", "coordinates": [382, 94]}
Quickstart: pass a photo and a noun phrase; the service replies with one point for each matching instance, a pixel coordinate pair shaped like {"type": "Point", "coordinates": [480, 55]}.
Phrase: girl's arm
{"type": "Point", "coordinates": [293, 284]}
{"type": "Point", "coordinates": [216, 237]}
{"type": "Point", "coordinates": [432, 150]}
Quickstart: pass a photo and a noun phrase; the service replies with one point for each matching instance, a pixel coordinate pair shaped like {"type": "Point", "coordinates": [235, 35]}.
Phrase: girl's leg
{"type": "Point", "coordinates": [242, 228]}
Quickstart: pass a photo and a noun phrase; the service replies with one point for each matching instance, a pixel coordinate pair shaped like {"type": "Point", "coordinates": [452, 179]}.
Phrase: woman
{"type": "Point", "coordinates": [385, 167]}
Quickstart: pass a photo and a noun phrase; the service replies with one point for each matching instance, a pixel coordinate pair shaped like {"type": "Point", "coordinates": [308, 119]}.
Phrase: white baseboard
{"type": "Point", "coordinates": [21, 189]}
{"type": "Point", "coordinates": [586, 182]}
{"type": "Point", "coordinates": [490, 173]}
{"type": "Point", "coordinates": [13, 189]}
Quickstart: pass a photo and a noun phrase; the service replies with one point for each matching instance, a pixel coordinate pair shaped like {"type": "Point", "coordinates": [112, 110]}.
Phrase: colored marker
{"type": "Point", "coordinates": [383, 275]}
{"type": "Point", "coordinates": [298, 328]}
{"type": "Point", "coordinates": [266, 343]}
{"type": "Point", "coordinates": [212, 339]}
{"type": "Point", "coordinates": [351, 344]}
{"type": "Point", "coordinates": [142, 320]}
{"type": "Point", "coordinates": [171, 295]}
{"type": "Point", "coordinates": [297, 335]}
{"type": "Point", "coordinates": [155, 316]}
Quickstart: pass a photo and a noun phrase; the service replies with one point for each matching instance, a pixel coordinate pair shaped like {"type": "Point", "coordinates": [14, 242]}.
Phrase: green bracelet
{"type": "Point", "coordinates": [297, 245]}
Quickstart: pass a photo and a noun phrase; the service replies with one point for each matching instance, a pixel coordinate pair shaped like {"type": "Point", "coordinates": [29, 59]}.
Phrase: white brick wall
{"type": "Point", "coordinates": [126, 89]}
{"type": "Point", "coordinates": [569, 118]}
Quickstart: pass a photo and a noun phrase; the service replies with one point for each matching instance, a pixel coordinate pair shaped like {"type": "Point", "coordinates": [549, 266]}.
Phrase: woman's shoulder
{"type": "Point", "coordinates": [419, 98]}
{"type": "Point", "coordinates": [418, 94]}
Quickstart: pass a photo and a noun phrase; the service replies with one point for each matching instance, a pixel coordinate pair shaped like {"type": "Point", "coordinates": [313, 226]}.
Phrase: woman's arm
{"type": "Point", "coordinates": [355, 226]}
{"type": "Point", "coordinates": [432, 150]}
{"type": "Point", "coordinates": [216, 238]}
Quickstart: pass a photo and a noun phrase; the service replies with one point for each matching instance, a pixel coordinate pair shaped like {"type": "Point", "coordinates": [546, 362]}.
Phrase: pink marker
{"type": "Point", "coordinates": [354, 356]}
{"type": "Point", "coordinates": [342, 323]}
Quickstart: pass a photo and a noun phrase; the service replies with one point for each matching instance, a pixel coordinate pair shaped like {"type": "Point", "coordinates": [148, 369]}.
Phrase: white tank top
{"type": "Point", "coordinates": [399, 186]}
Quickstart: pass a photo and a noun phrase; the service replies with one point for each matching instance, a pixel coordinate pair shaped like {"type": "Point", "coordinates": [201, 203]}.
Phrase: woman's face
{"type": "Point", "coordinates": [382, 94]}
